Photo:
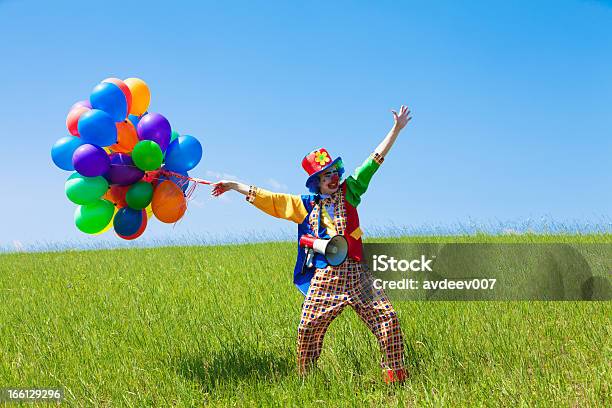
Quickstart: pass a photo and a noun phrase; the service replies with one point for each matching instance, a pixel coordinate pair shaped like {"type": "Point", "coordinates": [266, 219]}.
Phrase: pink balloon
{"type": "Point", "coordinates": [72, 120]}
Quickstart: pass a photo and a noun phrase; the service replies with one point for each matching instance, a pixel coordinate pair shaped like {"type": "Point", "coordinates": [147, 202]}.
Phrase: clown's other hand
{"type": "Point", "coordinates": [222, 186]}
{"type": "Point", "coordinates": [402, 118]}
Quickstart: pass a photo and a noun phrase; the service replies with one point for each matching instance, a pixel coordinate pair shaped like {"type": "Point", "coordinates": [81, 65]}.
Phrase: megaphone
{"type": "Point", "coordinates": [335, 249]}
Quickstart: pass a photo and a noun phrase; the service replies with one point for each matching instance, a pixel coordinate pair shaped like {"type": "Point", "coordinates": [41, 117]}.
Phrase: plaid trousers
{"type": "Point", "coordinates": [331, 290]}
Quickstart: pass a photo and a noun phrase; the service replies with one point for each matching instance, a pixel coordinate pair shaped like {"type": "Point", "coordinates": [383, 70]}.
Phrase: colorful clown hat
{"type": "Point", "coordinates": [317, 162]}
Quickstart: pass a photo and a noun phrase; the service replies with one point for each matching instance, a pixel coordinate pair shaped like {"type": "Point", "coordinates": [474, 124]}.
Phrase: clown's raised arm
{"type": "Point", "coordinates": [400, 120]}
{"type": "Point", "coordinates": [358, 182]}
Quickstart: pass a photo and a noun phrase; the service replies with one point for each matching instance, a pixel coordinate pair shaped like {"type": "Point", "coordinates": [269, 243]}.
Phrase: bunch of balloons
{"type": "Point", "coordinates": [128, 163]}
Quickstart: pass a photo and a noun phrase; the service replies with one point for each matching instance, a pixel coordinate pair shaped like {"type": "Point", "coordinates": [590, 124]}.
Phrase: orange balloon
{"type": "Point", "coordinates": [124, 88]}
{"type": "Point", "coordinates": [126, 137]}
{"type": "Point", "coordinates": [116, 195]}
{"type": "Point", "coordinates": [141, 95]}
{"type": "Point", "coordinates": [168, 203]}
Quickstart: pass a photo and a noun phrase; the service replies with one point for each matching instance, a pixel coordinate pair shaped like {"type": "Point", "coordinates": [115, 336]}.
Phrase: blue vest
{"type": "Point", "coordinates": [302, 277]}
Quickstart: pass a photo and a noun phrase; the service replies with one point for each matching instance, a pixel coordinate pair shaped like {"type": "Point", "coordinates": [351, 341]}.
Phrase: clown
{"type": "Point", "coordinates": [331, 209]}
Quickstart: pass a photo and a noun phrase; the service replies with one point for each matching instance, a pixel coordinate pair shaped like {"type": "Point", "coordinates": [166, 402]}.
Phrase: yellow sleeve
{"type": "Point", "coordinates": [287, 206]}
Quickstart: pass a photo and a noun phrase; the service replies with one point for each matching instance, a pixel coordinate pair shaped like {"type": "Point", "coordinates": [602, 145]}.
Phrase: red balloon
{"type": "Point", "coordinates": [138, 233]}
{"type": "Point", "coordinates": [152, 177]}
{"type": "Point", "coordinates": [124, 88]}
{"type": "Point", "coordinates": [72, 120]}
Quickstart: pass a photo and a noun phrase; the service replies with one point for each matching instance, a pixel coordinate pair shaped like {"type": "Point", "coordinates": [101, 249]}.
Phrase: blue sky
{"type": "Point", "coordinates": [511, 103]}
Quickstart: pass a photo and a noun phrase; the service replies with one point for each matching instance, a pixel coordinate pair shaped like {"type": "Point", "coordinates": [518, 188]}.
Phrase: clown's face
{"type": "Point", "coordinates": [329, 181]}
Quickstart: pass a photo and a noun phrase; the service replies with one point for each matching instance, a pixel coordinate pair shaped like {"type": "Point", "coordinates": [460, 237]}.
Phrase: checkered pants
{"type": "Point", "coordinates": [331, 290]}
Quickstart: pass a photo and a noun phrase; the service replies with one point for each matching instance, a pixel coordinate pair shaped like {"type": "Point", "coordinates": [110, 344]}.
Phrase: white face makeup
{"type": "Point", "coordinates": [329, 181]}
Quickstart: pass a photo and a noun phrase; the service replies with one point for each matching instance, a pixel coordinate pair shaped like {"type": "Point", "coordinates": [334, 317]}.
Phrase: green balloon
{"type": "Point", "coordinates": [139, 195]}
{"type": "Point", "coordinates": [147, 155]}
{"type": "Point", "coordinates": [94, 217]}
{"type": "Point", "coordinates": [84, 190]}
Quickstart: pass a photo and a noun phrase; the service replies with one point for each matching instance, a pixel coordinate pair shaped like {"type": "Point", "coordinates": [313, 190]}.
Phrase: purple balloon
{"type": "Point", "coordinates": [90, 160]}
{"type": "Point", "coordinates": [122, 170]}
{"type": "Point", "coordinates": [155, 127]}
{"type": "Point", "coordinates": [81, 103]}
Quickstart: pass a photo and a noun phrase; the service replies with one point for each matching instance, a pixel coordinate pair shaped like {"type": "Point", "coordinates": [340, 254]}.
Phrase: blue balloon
{"type": "Point", "coordinates": [134, 119]}
{"type": "Point", "coordinates": [111, 99]}
{"type": "Point", "coordinates": [62, 151]}
{"type": "Point", "coordinates": [183, 154]}
{"type": "Point", "coordinates": [98, 128]}
{"type": "Point", "coordinates": [181, 182]}
{"type": "Point", "coordinates": [127, 221]}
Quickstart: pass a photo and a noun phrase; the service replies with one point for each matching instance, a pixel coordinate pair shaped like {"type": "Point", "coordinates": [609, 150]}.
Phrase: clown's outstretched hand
{"type": "Point", "coordinates": [222, 186]}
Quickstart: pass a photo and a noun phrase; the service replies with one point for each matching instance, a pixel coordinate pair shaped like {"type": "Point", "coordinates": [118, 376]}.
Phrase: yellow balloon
{"type": "Point", "coordinates": [110, 224]}
{"type": "Point", "coordinates": [141, 96]}
{"type": "Point", "coordinates": [149, 210]}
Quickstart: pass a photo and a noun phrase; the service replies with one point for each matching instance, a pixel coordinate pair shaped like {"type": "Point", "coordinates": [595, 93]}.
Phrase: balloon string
{"type": "Point", "coordinates": [168, 173]}
{"type": "Point", "coordinates": [177, 175]}
{"type": "Point", "coordinates": [157, 175]}
{"type": "Point", "coordinates": [186, 179]}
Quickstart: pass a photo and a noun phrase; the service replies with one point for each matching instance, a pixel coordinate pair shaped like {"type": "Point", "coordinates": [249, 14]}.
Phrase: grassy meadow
{"type": "Point", "coordinates": [217, 325]}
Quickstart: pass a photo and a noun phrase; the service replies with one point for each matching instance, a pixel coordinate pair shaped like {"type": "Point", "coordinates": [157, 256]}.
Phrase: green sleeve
{"type": "Point", "coordinates": [357, 184]}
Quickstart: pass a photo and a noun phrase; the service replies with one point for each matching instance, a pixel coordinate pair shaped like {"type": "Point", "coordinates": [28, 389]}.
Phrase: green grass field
{"type": "Point", "coordinates": [217, 325]}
